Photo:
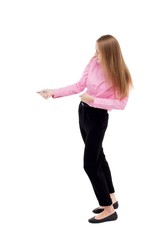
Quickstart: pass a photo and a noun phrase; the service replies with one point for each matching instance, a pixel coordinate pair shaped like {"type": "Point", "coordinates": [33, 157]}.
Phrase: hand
{"type": "Point", "coordinates": [46, 93]}
{"type": "Point", "coordinates": [86, 98]}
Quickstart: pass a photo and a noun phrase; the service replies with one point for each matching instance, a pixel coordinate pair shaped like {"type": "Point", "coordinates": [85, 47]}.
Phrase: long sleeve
{"type": "Point", "coordinates": [74, 88]}
{"type": "Point", "coordinates": [109, 104]}
{"type": "Point", "coordinates": [95, 81]}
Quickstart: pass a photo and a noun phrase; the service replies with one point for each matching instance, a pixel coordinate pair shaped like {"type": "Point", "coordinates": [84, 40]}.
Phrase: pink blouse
{"type": "Point", "coordinates": [94, 80]}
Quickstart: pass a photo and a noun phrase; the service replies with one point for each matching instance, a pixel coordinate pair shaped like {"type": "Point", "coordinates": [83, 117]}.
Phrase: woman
{"type": "Point", "coordinates": [108, 82]}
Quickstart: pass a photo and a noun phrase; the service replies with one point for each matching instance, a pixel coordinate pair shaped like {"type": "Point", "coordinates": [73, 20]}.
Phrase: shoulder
{"type": "Point", "coordinates": [93, 61]}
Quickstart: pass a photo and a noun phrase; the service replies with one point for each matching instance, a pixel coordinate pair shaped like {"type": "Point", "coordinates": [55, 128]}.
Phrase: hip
{"type": "Point", "coordinates": [93, 114]}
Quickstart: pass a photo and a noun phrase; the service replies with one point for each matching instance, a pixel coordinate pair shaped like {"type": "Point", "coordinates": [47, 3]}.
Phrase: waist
{"type": "Point", "coordinates": [83, 104]}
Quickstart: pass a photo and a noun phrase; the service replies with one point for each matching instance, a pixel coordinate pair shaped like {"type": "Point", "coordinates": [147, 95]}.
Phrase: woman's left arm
{"type": "Point", "coordinates": [104, 103]}
{"type": "Point", "coordinates": [110, 104]}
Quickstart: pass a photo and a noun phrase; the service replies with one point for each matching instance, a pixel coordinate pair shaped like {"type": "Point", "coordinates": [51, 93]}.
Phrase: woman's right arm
{"type": "Point", "coordinates": [74, 88]}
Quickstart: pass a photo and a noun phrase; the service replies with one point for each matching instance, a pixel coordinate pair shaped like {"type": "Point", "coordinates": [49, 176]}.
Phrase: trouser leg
{"type": "Point", "coordinates": [93, 167]}
{"type": "Point", "coordinates": [107, 172]}
{"type": "Point", "coordinates": [93, 124]}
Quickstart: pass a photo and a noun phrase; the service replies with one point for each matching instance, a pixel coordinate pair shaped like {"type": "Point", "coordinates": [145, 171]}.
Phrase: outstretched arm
{"type": "Point", "coordinates": [68, 90]}
{"type": "Point", "coordinates": [74, 88]}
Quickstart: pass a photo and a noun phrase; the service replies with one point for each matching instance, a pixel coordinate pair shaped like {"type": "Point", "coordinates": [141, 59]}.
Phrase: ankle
{"type": "Point", "coordinates": [113, 197]}
{"type": "Point", "coordinates": [109, 209]}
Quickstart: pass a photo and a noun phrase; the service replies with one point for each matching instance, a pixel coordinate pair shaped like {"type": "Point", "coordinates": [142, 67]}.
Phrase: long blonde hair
{"type": "Point", "coordinates": [114, 64]}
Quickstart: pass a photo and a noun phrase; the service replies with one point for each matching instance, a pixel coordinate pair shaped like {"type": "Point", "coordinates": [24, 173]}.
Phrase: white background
{"type": "Point", "coordinates": [44, 191]}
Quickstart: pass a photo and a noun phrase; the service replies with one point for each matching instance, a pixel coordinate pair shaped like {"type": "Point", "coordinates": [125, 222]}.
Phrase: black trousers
{"type": "Point", "coordinates": [93, 124]}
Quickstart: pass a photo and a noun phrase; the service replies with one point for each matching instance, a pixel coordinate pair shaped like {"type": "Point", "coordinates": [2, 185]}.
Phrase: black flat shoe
{"type": "Point", "coordinates": [99, 210]}
{"type": "Point", "coordinates": [112, 217]}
